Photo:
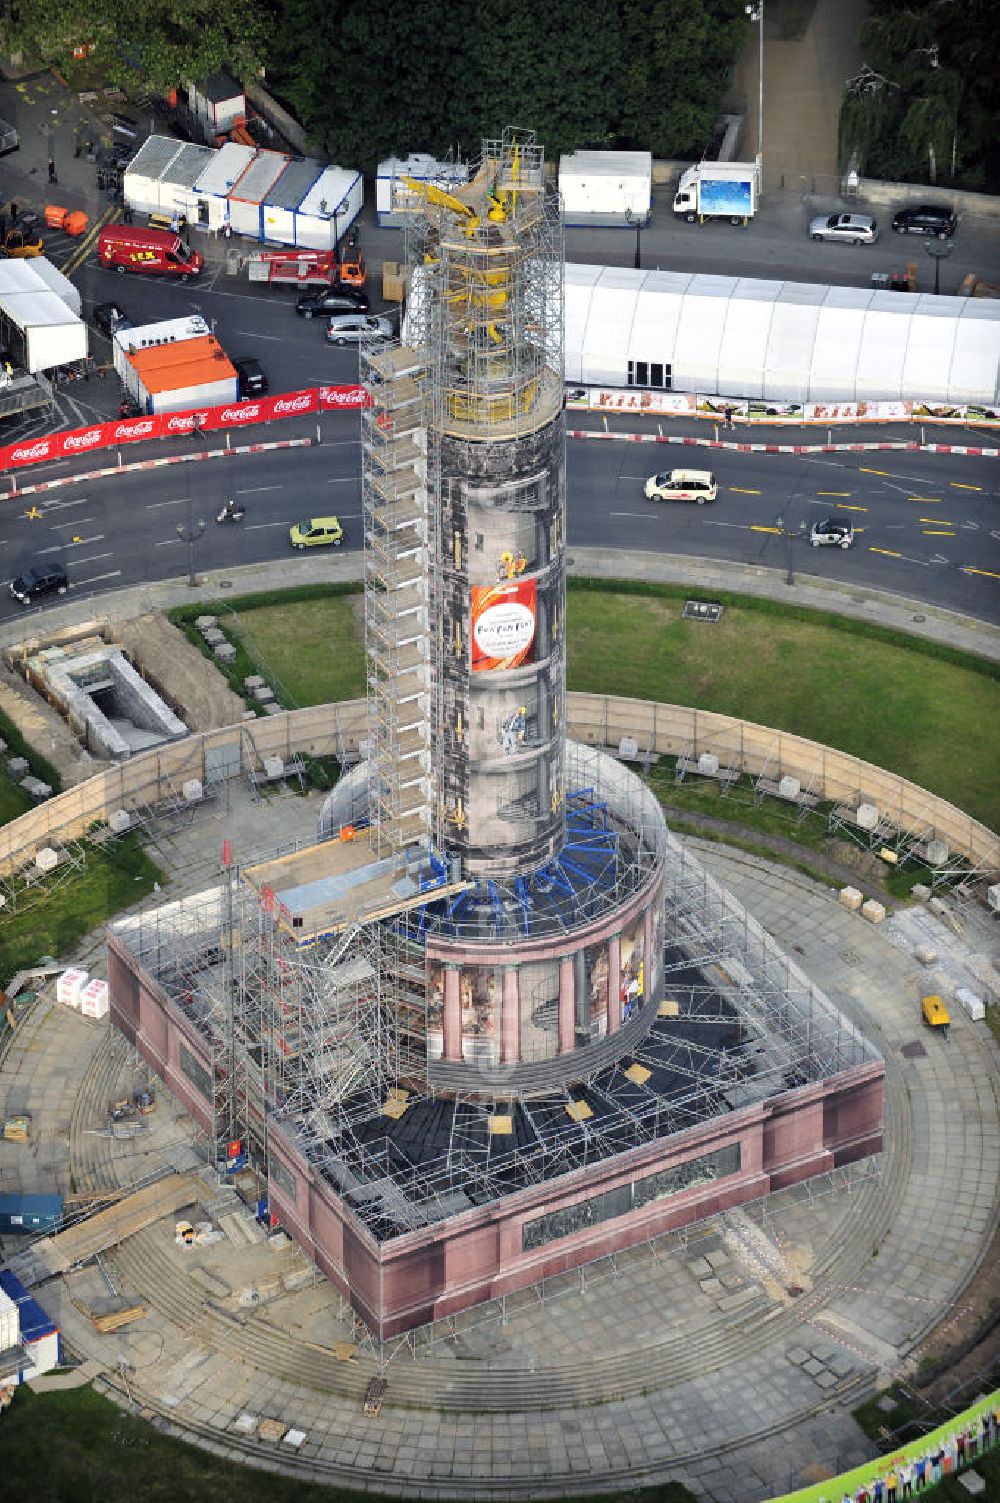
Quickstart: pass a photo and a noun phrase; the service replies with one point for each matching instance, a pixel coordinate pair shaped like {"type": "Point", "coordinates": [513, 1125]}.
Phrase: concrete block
{"type": "Point", "coordinates": [295, 1439]}
{"type": "Point", "coordinates": [213, 636]}
{"type": "Point", "coordinates": [708, 764]}
{"type": "Point", "coordinates": [866, 817]}
{"type": "Point", "coordinates": [936, 853]}
{"type": "Point", "coordinates": [274, 767]}
{"type": "Point", "coordinates": [17, 767]}
{"type": "Point", "coordinates": [789, 787]}
{"type": "Point", "coordinates": [938, 906]}
{"type": "Point", "coordinates": [46, 859]}
{"type": "Point", "coordinates": [263, 694]}
{"type": "Point", "coordinates": [974, 1484]}
{"type": "Point", "coordinates": [249, 715]}
{"type": "Point", "coordinates": [225, 652]}
{"type": "Point", "coordinates": [36, 789]}
{"type": "Point", "coordinates": [920, 891]}
{"type": "Point", "coordinates": [192, 790]}
{"type": "Point", "coordinates": [972, 1004]}
{"type": "Point", "coordinates": [254, 681]}
{"type": "Point", "coordinates": [204, 622]}
{"type": "Point", "coordinates": [94, 999]}
{"type": "Point", "coordinates": [993, 897]}
{"type": "Point", "coordinates": [851, 898]}
{"type": "Point", "coordinates": [119, 821]}
{"type": "Point", "coordinates": [873, 911]}
{"type": "Point", "coordinates": [925, 954]}
{"type": "Point", "coordinates": [273, 709]}
{"type": "Point", "coordinates": [69, 986]}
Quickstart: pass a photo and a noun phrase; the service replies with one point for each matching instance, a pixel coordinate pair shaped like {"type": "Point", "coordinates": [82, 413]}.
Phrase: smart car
{"type": "Point", "coordinates": [682, 485]}
{"type": "Point", "coordinates": [834, 532]}
{"type": "Point", "coordinates": [855, 229]}
{"type": "Point", "coordinates": [315, 532]}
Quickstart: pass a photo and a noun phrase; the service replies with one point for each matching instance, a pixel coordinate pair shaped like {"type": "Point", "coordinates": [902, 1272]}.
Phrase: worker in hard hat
{"type": "Point", "coordinates": [513, 728]}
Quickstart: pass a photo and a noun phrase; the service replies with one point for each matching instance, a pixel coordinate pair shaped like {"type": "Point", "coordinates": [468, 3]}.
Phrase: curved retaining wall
{"type": "Point", "coordinates": [155, 778]}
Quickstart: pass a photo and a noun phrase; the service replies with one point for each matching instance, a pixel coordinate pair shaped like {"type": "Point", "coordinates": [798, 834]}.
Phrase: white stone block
{"type": "Point", "coordinates": [46, 859]}
{"type": "Point", "coordinates": [993, 897]}
{"type": "Point", "coordinates": [789, 787]}
{"type": "Point", "coordinates": [873, 911]}
{"type": "Point", "coordinates": [851, 898]}
{"type": "Point", "coordinates": [192, 790]}
{"type": "Point", "coordinates": [69, 986]}
{"type": "Point", "coordinates": [119, 821]}
{"type": "Point", "coordinates": [866, 817]}
{"type": "Point", "coordinates": [920, 892]}
{"type": "Point", "coordinates": [708, 764]}
{"type": "Point", "coordinates": [294, 1438]}
{"type": "Point", "coordinates": [274, 766]}
{"type": "Point", "coordinates": [936, 853]}
{"type": "Point", "coordinates": [628, 747]}
{"type": "Point", "coordinates": [972, 1004]}
{"type": "Point", "coordinates": [925, 954]}
{"type": "Point", "coordinates": [94, 1000]}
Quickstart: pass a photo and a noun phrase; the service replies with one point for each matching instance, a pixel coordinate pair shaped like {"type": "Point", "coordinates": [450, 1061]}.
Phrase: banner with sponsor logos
{"type": "Point", "coordinates": [81, 441]}
{"type": "Point", "coordinates": [644, 403]}
{"type": "Point", "coordinates": [503, 624]}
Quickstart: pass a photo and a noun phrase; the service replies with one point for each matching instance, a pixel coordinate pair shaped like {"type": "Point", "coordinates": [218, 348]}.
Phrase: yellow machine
{"type": "Point", "coordinates": [935, 1015]}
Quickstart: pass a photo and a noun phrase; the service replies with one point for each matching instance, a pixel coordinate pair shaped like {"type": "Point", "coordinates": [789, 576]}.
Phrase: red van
{"type": "Point", "coordinates": [161, 253]}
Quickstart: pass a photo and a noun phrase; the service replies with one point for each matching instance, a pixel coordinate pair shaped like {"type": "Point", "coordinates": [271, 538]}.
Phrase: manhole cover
{"type": "Point", "coordinates": [920, 618]}
{"type": "Point", "coordinates": [913, 1050]}
{"type": "Point", "coordinates": [849, 957]}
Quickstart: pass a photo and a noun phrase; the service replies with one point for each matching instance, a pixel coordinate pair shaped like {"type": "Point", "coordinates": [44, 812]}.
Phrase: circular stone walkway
{"type": "Point", "coordinates": [728, 1359]}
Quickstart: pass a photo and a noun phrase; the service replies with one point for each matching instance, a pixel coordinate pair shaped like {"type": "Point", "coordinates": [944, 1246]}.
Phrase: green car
{"type": "Point", "coordinates": [316, 531]}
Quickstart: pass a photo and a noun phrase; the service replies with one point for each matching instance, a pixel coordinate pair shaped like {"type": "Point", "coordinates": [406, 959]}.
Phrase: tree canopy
{"type": "Point", "coordinates": [924, 107]}
{"type": "Point", "coordinates": [368, 78]}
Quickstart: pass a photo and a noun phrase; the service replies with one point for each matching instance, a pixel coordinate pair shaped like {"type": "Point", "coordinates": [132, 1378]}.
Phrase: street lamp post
{"type": "Point", "coordinates": [635, 220]}
{"type": "Point", "coordinates": [790, 534]}
{"type": "Point", "coordinates": [940, 252]}
{"type": "Point", "coordinates": [756, 13]}
{"type": "Point", "coordinates": [189, 532]}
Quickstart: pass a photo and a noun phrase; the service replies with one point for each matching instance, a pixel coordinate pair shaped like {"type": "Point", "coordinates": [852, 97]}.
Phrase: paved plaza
{"type": "Point", "coordinates": [727, 1358]}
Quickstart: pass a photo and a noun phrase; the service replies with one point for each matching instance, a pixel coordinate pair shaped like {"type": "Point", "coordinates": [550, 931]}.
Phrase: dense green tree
{"type": "Point", "coordinates": [153, 44]}
{"type": "Point", "coordinates": [925, 107]}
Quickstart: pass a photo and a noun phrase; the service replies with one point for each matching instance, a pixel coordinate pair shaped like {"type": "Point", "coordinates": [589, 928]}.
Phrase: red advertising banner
{"type": "Point", "coordinates": [81, 441]}
{"type": "Point", "coordinates": [503, 624]}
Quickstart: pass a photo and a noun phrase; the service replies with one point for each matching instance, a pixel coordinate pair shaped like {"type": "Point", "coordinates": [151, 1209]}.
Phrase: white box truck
{"type": "Point", "coordinates": [718, 190]}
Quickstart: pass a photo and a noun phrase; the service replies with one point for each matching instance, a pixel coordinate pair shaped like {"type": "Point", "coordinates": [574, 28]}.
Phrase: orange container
{"type": "Point", "coordinates": [55, 217]}
{"type": "Point", "coordinates": [76, 222]}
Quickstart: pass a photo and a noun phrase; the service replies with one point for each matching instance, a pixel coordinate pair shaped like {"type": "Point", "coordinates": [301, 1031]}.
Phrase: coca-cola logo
{"type": "Point", "coordinates": [141, 429]}
{"type": "Point", "coordinates": [302, 403]}
{"type": "Point", "coordinates": [184, 422]}
{"type": "Point", "coordinates": [344, 396]}
{"type": "Point", "coordinates": [41, 450]}
{"type": "Point", "coordinates": [85, 440]}
{"type": "Point", "coordinates": [245, 414]}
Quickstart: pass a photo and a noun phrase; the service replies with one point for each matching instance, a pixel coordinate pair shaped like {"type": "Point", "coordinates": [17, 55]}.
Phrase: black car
{"type": "Point", "coordinates": [331, 300]}
{"type": "Point", "coordinates": [110, 317]}
{"type": "Point", "coordinates": [252, 380]}
{"type": "Point", "coordinates": [40, 579]}
{"type": "Point", "coordinates": [926, 219]}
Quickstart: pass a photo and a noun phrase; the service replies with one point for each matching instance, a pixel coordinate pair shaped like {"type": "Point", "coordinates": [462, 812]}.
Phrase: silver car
{"type": "Point", "coordinates": [349, 328]}
{"type": "Point", "coordinates": [855, 229]}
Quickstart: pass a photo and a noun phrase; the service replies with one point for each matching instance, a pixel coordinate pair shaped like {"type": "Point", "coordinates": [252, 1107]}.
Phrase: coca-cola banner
{"type": "Point", "coordinates": [294, 403]}
{"type": "Point", "coordinates": [333, 397]}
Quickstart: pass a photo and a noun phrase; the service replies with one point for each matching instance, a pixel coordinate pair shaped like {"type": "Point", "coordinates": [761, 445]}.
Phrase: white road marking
{"type": "Point", "coordinates": [93, 559]}
{"type": "Point", "coordinates": [65, 505]}
{"type": "Point", "coordinates": [73, 522]}
{"type": "Point", "coordinates": [167, 543]}
{"type": "Point", "coordinates": [152, 505]}
{"type": "Point", "coordinates": [711, 522]}
{"type": "Point", "coordinates": [252, 334]}
{"type": "Point", "coordinates": [646, 514]}
{"type": "Point", "coordinates": [96, 578]}
{"type": "Point", "coordinates": [354, 480]}
{"type": "Point", "coordinates": [251, 489]}
{"type": "Point", "coordinates": [82, 542]}
{"type": "Point", "coordinates": [260, 526]}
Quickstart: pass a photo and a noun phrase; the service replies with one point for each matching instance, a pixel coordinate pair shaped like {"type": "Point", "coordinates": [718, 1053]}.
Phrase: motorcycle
{"type": "Point", "coordinates": [231, 513]}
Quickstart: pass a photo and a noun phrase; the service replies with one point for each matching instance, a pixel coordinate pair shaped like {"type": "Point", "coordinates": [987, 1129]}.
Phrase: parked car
{"type": "Point", "coordinates": [351, 328]}
{"type": "Point", "coordinates": [834, 532]}
{"type": "Point", "coordinates": [251, 377]}
{"type": "Point", "coordinates": [926, 219]}
{"type": "Point", "coordinates": [20, 244]}
{"type": "Point", "coordinates": [315, 532]}
{"type": "Point", "coordinates": [331, 300]}
{"type": "Point", "coordinates": [39, 579]}
{"type": "Point", "coordinates": [110, 317]}
{"type": "Point", "coordinates": [682, 485]}
{"type": "Point", "coordinates": [855, 229]}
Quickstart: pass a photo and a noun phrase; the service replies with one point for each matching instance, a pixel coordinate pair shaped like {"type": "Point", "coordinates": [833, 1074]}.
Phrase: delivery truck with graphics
{"type": "Point", "coordinates": [718, 190]}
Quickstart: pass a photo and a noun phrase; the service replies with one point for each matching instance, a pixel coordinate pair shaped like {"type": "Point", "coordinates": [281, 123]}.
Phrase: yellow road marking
{"type": "Point", "coordinates": [854, 508]}
{"type": "Point", "coordinates": [958, 486]}
{"type": "Point", "coordinates": [935, 532]}
{"type": "Point", "coordinates": [987, 573]}
{"type": "Point", "coordinates": [936, 521]}
{"type": "Point", "coordinates": [926, 500]}
{"type": "Point", "coordinates": [863, 471]}
{"type": "Point", "coordinates": [86, 245]}
{"type": "Point", "coordinates": [33, 514]}
{"type": "Point", "coordinates": [833, 493]}
{"type": "Point", "coordinates": [739, 491]}
{"type": "Point", "coordinates": [887, 551]}
{"type": "Point", "coordinates": [754, 528]}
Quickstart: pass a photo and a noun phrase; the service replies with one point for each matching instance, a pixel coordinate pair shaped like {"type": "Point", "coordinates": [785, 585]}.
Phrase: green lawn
{"type": "Point", "coordinates": [316, 651]}
{"type": "Point", "coordinates": [49, 922]}
{"type": "Point", "coordinates": [78, 1447]}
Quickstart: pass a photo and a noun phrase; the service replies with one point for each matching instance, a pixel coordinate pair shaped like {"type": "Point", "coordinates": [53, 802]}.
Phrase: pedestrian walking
{"type": "Point", "coordinates": [127, 214]}
{"type": "Point", "coordinates": [906, 1480]}
{"type": "Point", "coordinates": [52, 171]}
{"type": "Point", "coordinates": [891, 1482]}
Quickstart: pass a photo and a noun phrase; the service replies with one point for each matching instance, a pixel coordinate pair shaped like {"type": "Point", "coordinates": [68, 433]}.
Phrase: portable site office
{"type": "Point", "coordinates": [279, 210]}
{"type": "Point", "coordinates": [215, 184]}
{"type": "Point", "coordinates": [329, 209]}
{"type": "Point", "coordinates": [161, 178]}
{"type": "Point", "coordinates": [247, 199]}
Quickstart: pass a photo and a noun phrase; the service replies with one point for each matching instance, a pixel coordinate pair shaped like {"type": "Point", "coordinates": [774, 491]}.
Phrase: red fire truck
{"type": "Point", "coordinates": [309, 268]}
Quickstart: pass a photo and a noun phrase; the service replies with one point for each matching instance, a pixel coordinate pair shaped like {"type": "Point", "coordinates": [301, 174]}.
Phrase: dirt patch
{"type": "Point", "coordinates": [185, 678]}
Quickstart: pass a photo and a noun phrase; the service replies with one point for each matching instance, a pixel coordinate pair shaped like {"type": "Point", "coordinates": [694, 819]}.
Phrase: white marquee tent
{"type": "Point", "coordinates": [778, 341]}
